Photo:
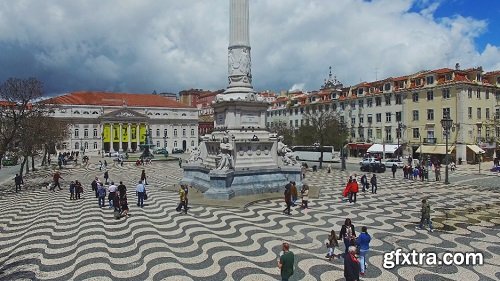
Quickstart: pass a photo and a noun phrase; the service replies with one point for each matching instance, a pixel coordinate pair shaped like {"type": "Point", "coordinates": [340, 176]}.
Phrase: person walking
{"type": "Point", "coordinates": [288, 198]}
{"type": "Point", "coordinates": [425, 215]}
{"type": "Point", "coordinates": [305, 196]}
{"type": "Point", "coordinates": [347, 233]}
{"type": "Point", "coordinates": [78, 189]}
{"type": "Point", "coordinates": [373, 181]}
{"type": "Point", "coordinates": [72, 190]}
{"type": "Point", "coordinates": [105, 164]}
{"type": "Point", "coordinates": [286, 262]}
{"type": "Point", "coordinates": [364, 183]}
{"type": "Point", "coordinates": [182, 197]}
{"type": "Point", "coordinates": [124, 206]}
{"type": "Point", "coordinates": [353, 191]}
{"type": "Point", "coordinates": [101, 191]}
{"type": "Point", "coordinates": [186, 199]}
{"type": "Point", "coordinates": [294, 194]}
{"type": "Point", "coordinates": [351, 265]}
{"type": "Point", "coordinates": [95, 185]}
{"type": "Point", "coordinates": [331, 244]}
{"type": "Point", "coordinates": [18, 180]}
{"type": "Point", "coordinates": [437, 171]}
{"type": "Point", "coordinates": [394, 168]}
{"type": "Point", "coordinates": [106, 177]}
{"type": "Point", "coordinates": [100, 165]}
{"type": "Point", "coordinates": [112, 193]}
{"type": "Point", "coordinates": [180, 162]}
{"type": "Point", "coordinates": [56, 178]}
{"type": "Point", "coordinates": [363, 242]}
{"type": "Point", "coordinates": [122, 190]}
{"type": "Point", "coordinates": [140, 190]}
{"type": "Point", "coordinates": [143, 177]}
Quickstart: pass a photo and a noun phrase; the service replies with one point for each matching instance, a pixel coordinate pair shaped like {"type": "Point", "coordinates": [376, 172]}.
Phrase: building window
{"type": "Point", "coordinates": [291, 123]}
{"type": "Point", "coordinates": [446, 93]}
{"type": "Point", "coordinates": [165, 132]}
{"type": "Point", "coordinates": [183, 132]}
{"type": "Point", "coordinates": [416, 133]}
{"type": "Point", "coordinates": [175, 143]}
{"type": "Point", "coordinates": [430, 95]}
{"type": "Point", "coordinates": [415, 115]}
{"type": "Point", "coordinates": [430, 80]}
{"type": "Point", "coordinates": [361, 119]}
{"type": "Point", "coordinates": [414, 97]}
{"type": "Point", "coordinates": [175, 132]}
{"type": "Point", "coordinates": [157, 144]}
{"type": "Point", "coordinates": [387, 86]}
{"type": "Point", "coordinates": [388, 117]}
{"type": "Point", "coordinates": [85, 133]}
{"type": "Point", "coordinates": [360, 103]}
{"type": "Point", "coordinates": [369, 102]}
{"type": "Point", "coordinates": [487, 113]}
{"type": "Point", "coordinates": [77, 133]}
{"type": "Point", "coordinates": [378, 133]}
{"type": "Point", "coordinates": [378, 116]}
{"type": "Point", "coordinates": [192, 143]}
{"type": "Point", "coordinates": [342, 106]}
{"type": "Point", "coordinates": [353, 121]}
{"type": "Point", "coordinates": [296, 123]}
{"type": "Point", "coordinates": [77, 145]}
{"type": "Point", "coordinates": [399, 116]}
{"type": "Point", "coordinates": [487, 94]}
{"type": "Point", "coordinates": [399, 99]}
{"type": "Point", "coordinates": [370, 119]}
{"type": "Point", "coordinates": [447, 77]}
{"type": "Point", "coordinates": [446, 112]}
{"type": "Point", "coordinates": [370, 133]}
{"type": "Point", "coordinates": [430, 114]}
{"type": "Point", "coordinates": [86, 145]}
{"type": "Point", "coordinates": [157, 132]}
{"type": "Point", "coordinates": [488, 132]}
{"type": "Point", "coordinates": [192, 132]}
{"type": "Point", "coordinates": [469, 93]}
{"type": "Point", "coordinates": [95, 145]}
{"type": "Point", "coordinates": [388, 100]}
{"type": "Point", "coordinates": [378, 101]}
{"type": "Point", "coordinates": [478, 93]}
{"type": "Point", "coordinates": [479, 113]}
{"type": "Point", "coordinates": [469, 112]}
{"type": "Point", "coordinates": [388, 133]}
{"type": "Point", "coordinates": [95, 133]}
{"type": "Point", "coordinates": [353, 105]}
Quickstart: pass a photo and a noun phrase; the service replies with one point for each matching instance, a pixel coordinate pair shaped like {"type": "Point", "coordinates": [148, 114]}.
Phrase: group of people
{"type": "Point", "coordinates": [117, 196]}
{"type": "Point", "coordinates": [352, 187]}
{"type": "Point", "coordinates": [291, 196]}
{"type": "Point", "coordinates": [355, 252]}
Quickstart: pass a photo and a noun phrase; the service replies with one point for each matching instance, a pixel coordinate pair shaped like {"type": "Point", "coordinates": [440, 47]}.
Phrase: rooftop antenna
{"type": "Point", "coordinates": [376, 73]}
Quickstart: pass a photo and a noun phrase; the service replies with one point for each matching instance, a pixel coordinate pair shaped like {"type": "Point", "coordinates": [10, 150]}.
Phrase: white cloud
{"type": "Point", "coordinates": [170, 45]}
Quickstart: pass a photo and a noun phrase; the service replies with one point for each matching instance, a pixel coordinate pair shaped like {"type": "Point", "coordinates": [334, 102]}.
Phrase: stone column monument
{"type": "Point", "coordinates": [240, 157]}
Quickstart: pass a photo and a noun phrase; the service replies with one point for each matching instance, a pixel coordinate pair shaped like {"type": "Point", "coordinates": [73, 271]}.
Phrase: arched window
{"type": "Point", "coordinates": [165, 113]}
{"type": "Point", "coordinates": [157, 132]}
{"type": "Point", "coordinates": [157, 113]}
{"type": "Point", "coordinates": [77, 145]}
{"type": "Point", "coordinates": [183, 132]}
{"type": "Point", "coordinates": [192, 132]}
{"type": "Point", "coordinates": [86, 145]}
{"type": "Point", "coordinates": [183, 114]}
{"type": "Point", "coordinates": [86, 112]}
{"type": "Point", "coordinates": [150, 113]}
{"type": "Point", "coordinates": [85, 133]}
{"type": "Point", "coordinates": [95, 145]}
{"type": "Point", "coordinates": [95, 133]}
{"type": "Point", "coordinates": [95, 112]}
{"type": "Point", "coordinates": [175, 132]}
{"type": "Point", "coordinates": [77, 133]}
{"type": "Point", "coordinates": [76, 112]}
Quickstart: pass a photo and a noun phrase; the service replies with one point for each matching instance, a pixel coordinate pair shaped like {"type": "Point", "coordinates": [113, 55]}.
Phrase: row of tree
{"type": "Point", "coordinates": [321, 128]}
{"type": "Point", "coordinates": [26, 128]}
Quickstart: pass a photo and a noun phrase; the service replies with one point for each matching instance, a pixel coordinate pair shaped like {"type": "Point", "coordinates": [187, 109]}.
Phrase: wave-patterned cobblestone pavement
{"type": "Point", "coordinates": [45, 236]}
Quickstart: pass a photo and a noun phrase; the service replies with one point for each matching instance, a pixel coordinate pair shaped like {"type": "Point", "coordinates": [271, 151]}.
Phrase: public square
{"type": "Point", "coordinates": [45, 236]}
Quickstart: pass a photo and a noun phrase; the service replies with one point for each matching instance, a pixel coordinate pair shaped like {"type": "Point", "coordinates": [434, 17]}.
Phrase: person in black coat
{"type": "Point", "coordinates": [351, 265]}
{"type": "Point", "coordinates": [347, 234]}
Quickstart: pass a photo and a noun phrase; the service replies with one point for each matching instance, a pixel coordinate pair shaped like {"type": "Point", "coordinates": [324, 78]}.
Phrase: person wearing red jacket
{"type": "Point", "coordinates": [353, 190]}
{"type": "Point", "coordinates": [347, 188]}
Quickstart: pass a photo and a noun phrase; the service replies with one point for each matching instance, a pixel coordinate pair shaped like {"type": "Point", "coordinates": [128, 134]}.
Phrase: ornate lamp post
{"type": "Point", "coordinates": [446, 123]}
{"type": "Point", "coordinates": [399, 129]}
{"type": "Point", "coordinates": [479, 158]}
{"type": "Point", "coordinates": [342, 156]}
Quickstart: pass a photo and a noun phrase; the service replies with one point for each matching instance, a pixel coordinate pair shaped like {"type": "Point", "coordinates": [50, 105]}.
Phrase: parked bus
{"type": "Point", "coordinates": [313, 153]}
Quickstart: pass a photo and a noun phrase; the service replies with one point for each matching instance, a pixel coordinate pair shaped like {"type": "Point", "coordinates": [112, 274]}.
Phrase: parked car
{"type": "Point", "coordinates": [368, 160]}
{"type": "Point", "coordinates": [374, 167]}
{"type": "Point", "coordinates": [161, 151]}
{"type": "Point", "coordinates": [10, 160]}
{"type": "Point", "coordinates": [390, 162]}
{"type": "Point", "coordinates": [177, 150]}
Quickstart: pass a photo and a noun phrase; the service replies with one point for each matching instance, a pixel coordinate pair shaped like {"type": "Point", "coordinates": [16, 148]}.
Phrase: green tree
{"type": "Point", "coordinates": [281, 129]}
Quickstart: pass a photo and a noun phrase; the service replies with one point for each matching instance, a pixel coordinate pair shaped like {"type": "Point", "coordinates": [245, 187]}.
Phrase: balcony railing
{"type": "Point", "coordinates": [430, 140]}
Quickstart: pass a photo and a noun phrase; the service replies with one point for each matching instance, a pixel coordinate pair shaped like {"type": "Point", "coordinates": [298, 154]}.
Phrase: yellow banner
{"type": "Point", "coordinates": [125, 133]}
{"type": "Point", "coordinates": [116, 133]}
{"type": "Point", "coordinates": [106, 133]}
{"type": "Point", "coordinates": [142, 133]}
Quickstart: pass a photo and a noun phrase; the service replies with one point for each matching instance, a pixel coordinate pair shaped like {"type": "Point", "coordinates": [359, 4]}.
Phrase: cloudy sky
{"type": "Point", "coordinates": [170, 45]}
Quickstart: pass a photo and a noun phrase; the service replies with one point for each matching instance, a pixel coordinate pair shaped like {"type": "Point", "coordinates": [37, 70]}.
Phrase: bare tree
{"type": "Point", "coordinates": [322, 128]}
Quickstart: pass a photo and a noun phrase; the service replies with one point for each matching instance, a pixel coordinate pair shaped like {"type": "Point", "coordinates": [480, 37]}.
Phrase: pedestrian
{"type": "Point", "coordinates": [94, 186]}
{"type": "Point", "coordinates": [347, 189]}
{"type": "Point", "coordinates": [364, 183]}
{"type": "Point", "coordinates": [105, 164]}
{"type": "Point", "coordinates": [363, 242]}
{"type": "Point", "coordinates": [180, 162]}
{"type": "Point", "coordinates": [106, 177]}
{"type": "Point", "coordinates": [101, 191]}
{"type": "Point", "coordinates": [347, 234]}
{"type": "Point", "coordinates": [331, 244]}
{"type": "Point", "coordinates": [78, 189]}
{"type": "Point", "coordinates": [56, 178]}
{"type": "Point", "coordinates": [124, 206]}
{"type": "Point", "coordinates": [186, 199]}
{"type": "Point", "coordinates": [182, 203]}
{"type": "Point", "coordinates": [140, 191]}
{"type": "Point", "coordinates": [294, 193]}
{"type": "Point", "coordinates": [305, 196]}
{"type": "Point", "coordinates": [437, 171]}
{"type": "Point", "coordinates": [100, 165]}
{"type": "Point", "coordinates": [122, 190]}
{"type": "Point", "coordinates": [286, 262]}
{"type": "Point", "coordinates": [425, 215]}
{"type": "Point", "coordinates": [18, 180]}
{"type": "Point", "coordinates": [373, 181]}
{"type": "Point", "coordinates": [143, 177]}
{"type": "Point", "coordinates": [351, 265]}
{"type": "Point", "coordinates": [353, 191]}
{"type": "Point", "coordinates": [112, 193]}
{"type": "Point", "coordinates": [394, 169]}
{"type": "Point", "coordinates": [72, 190]}
{"type": "Point", "coordinates": [288, 198]}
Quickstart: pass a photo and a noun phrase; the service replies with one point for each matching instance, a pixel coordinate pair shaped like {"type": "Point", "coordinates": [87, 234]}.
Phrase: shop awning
{"type": "Point", "coordinates": [361, 146]}
{"type": "Point", "coordinates": [434, 149]}
{"type": "Point", "coordinates": [476, 149]}
{"type": "Point", "coordinates": [381, 148]}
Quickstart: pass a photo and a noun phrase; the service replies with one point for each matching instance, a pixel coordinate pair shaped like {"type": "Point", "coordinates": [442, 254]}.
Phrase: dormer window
{"type": "Point", "coordinates": [150, 113]}
{"type": "Point", "coordinates": [157, 113]}
{"type": "Point", "coordinates": [76, 112]}
{"type": "Point", "coordinates": [183, 114]}
{"type": "Point", "coordinates": [447, 77]}
{"type": "Point", "coordinates": [360, 91]}
{"type": "Point", "coordinates": [95, 112]}
{"type": "Point", "coordinates": [86, 112]}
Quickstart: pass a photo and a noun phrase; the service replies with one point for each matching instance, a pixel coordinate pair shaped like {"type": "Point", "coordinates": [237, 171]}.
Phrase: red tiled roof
{"type": "Point", "coordinates": [442, 70]}
{"type": "Point", "coordinates": [6, 103]}
{"type": "Point", "coordinates": [115, 99]}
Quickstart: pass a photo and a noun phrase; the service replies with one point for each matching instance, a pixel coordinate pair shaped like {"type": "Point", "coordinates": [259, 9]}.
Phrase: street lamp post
{"type": "Point", "coordinates": [479, 126]}
{"type": "Point", "coordinates": [342, 156]}
{"type": "Point", "coordinates": [446, 123]}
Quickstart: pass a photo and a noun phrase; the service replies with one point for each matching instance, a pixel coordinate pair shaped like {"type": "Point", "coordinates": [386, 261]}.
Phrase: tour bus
{"type": "Point", "coordinates": [313, 153]}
